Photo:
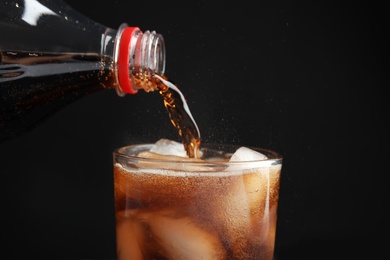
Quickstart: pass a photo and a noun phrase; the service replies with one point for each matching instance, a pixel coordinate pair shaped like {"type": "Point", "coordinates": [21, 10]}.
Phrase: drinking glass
{"type": "Point", "coordinates": [221, 206]}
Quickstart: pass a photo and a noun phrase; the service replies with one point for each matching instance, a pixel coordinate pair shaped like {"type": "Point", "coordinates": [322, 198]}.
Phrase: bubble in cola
{"type": "Point", "coordinates": [170, 206]}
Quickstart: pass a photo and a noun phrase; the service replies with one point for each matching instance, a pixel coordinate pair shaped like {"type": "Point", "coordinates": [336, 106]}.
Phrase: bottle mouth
{"type": "Point", "coordinates": [152, 53]}
{"type": "Point", "coordinates": [139, 53]}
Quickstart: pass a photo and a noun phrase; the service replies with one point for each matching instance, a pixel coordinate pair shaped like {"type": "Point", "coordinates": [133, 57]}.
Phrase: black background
{"type": "Point", "coordinates": [304, 78]}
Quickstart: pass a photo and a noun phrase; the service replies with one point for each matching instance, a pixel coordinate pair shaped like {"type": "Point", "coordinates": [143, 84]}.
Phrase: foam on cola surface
{"type": "Point", "coordinates": [168, 147]}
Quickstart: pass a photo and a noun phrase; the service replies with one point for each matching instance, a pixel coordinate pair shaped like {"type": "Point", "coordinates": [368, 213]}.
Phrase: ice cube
{"type": "Point", "coordinates": [234, 209]}
{"type": "Point", "coordinates": [246, 154]}
{"type": "Point", "coordinates": [169, 147]}
{"type": "Point", "coordinates": [172, 153]}
{"type": "Point", "coordinates": [179, 237]}
{"type": "Point", "coordinates": [130, 237]}
{"type": "Point", "coordinates": [242, 210]}
{"type": "Point", "coordinates": [171, 162]}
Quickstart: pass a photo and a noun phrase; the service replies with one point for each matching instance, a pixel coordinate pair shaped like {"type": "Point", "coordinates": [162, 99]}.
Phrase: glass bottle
{"type": "Point", "coordinates": [51, 55]}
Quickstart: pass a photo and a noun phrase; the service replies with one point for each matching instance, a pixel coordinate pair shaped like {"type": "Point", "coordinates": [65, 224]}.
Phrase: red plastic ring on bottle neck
{"type": "Point", "coordinates": [123, 60]}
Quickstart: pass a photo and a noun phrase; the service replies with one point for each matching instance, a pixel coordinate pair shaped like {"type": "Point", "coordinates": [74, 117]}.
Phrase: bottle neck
{"type": "Point", "coordinates": [138, 56]}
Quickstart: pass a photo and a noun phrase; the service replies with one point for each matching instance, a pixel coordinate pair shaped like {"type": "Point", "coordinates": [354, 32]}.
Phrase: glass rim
{"type": "Point", "coordinates": [273, 157]}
